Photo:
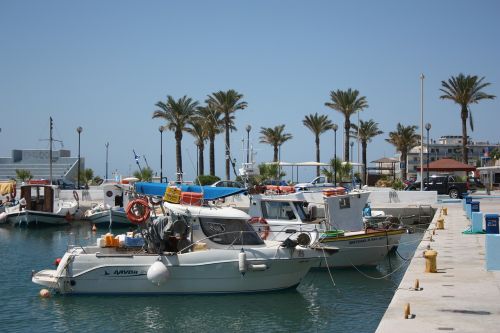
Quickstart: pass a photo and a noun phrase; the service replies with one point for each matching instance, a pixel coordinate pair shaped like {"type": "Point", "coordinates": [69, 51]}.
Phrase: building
{"type": "Point", "coordinates": [37, 162]}
{"type": "Point", "coordinates": [448, 146]}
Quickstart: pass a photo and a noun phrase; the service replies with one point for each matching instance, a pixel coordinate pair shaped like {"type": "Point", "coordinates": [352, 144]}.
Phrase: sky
{"type": "Point", "coordinates": [103, 65]}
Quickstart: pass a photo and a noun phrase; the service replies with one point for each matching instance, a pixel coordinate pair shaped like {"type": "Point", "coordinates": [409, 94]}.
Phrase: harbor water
{"type": "Point", "coordinates": [347, 300]}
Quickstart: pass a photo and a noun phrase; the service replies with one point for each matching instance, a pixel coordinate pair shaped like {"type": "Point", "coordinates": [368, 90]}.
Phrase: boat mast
{"type": "Point", "coordinates": [50, 152]}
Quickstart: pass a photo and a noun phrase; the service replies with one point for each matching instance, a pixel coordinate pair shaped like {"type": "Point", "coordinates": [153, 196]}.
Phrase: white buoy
{"type": "Point", "coordinates": [44, 293]}
{"type": "Point", "coordinates": [242, 262]}
{"type": "Point", "coordinates": [158, 273]}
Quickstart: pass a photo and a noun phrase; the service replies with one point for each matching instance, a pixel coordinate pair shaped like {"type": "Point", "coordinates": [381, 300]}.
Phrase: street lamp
{"type": "Point", "coordinates": [427, 127]}
{"type": "Point", "coordinates": [79, 129]}
{"type": "Point", "coordinates": [335, 127]}
{"type": "Point", "coordinates": [248, 128]}
{"type": "Point", "coordinates": [107, 146]}
{"type": "Point", "coordinates": [161, 129]}
{"type": "Point", "coordinates": [421, 131]}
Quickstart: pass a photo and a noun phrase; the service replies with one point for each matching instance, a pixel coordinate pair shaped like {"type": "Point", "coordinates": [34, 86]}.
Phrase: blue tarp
{"type": "Point", "coordinates": [209, 192]}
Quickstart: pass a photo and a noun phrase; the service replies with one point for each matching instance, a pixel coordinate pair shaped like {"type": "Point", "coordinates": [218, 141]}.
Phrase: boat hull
{"type": "Point", "coordinates": [27, 218]}
{"type": "Point", "coordinates": [200, 272]}
{"type": "Point", "coordinates": [102, 219]}
{"type": "Point", "coordinates": [360, 248]}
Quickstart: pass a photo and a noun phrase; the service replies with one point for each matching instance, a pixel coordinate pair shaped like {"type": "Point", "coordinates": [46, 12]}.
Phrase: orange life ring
{"type": "Point", "coordinates": [138, 210]}
{"type": "Point", "coordinates": [75, 195]}
{"type": "Point", "coordinates": [263, 226]}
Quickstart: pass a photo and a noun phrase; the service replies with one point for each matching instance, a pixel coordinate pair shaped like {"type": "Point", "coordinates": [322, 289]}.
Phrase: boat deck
{"type": "Point", "coordinates": [462, 296]}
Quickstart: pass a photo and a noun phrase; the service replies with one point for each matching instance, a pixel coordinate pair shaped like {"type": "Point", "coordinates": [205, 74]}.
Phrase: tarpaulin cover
{"type": "Point", "coordinates": [209, 192]}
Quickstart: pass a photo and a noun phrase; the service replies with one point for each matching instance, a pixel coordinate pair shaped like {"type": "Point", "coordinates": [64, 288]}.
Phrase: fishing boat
{"type": "Point", "coordinates": [190, 249]}
{"type": "Point", "coordinates": [281, 217]}
{"type": "Point", "coordinates": [41, 205]}
{"type": "Point", "coordinates": [111, 211]}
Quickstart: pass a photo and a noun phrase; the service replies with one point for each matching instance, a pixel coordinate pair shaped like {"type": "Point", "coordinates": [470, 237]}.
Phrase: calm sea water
{"type": "Point", "coordinates": [352, 302]}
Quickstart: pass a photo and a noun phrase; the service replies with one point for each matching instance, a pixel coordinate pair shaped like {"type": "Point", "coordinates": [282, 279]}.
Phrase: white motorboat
{"type": "Point", "coordinates": [41, 205]}
{"type": "Point", "coordinates": [280, 217]}
{"type": "Point", "coordinates": [111, 211]}
{"type": "Point", "coordinates": [189, 250]}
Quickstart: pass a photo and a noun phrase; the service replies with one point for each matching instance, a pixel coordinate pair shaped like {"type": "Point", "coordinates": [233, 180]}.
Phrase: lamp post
{"type": "Point", "coordinates": [161, 129]}
{"type": "Point", "coordinates": [248, 128]}
{"type": "Point", "coordinates": [421, 131]}
{"type": "Point", "coordinates": [79, 129]}
{"type": "Point", "coordinates": [428, 127]}
{"type": "Point", "coordinates": [335, 127]}
{"type": "Point", "coordinates": [107, 146]}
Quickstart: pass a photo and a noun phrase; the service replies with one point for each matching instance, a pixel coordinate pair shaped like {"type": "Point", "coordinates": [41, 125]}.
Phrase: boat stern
{"type": "Point", "coordinates": [46, 277]}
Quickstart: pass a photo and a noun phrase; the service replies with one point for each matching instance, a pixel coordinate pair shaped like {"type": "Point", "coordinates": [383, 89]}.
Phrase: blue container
{"type": "Point", "coordinates": [474, 206]}
{"type": "Point", "coordinates": [477, 222]}
{"type": "Point", "coordinates": [134, 241]}
{"type": "Point", "coordinates": [468, 200]}
{"type": "Point", "coordinates": [491, 221]}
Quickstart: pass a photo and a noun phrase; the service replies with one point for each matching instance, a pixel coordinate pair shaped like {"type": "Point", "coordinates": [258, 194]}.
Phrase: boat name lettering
{"type": "Point", "coordinates": [364, 240]}
{"type": "Point", "coordinates": [125, 272]}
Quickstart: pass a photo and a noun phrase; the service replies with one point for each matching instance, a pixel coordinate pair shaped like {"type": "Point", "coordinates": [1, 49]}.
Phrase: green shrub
{"type": "Point", "coordinates": [206, 180]}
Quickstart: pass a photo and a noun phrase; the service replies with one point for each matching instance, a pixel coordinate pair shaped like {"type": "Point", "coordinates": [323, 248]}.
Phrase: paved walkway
{"type": "Point", "coordinates": [462, 296]}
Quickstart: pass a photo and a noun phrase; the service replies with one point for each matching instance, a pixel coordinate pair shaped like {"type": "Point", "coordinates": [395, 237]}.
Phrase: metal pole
{"type": "Point", "coordinates": [161, 153]}
{"type": "Point", "coordinates": [335, 127]}
{"type": "Point", "coordinates": [50, 152]}
{"type": "Point", "coordinates": [248, 128]}
{"type": "Point", "coordinates": [79, 129]}
{"type": "Point", "coordinates": [428, 127]}
{"type": "Point", "coordinates": [421, 133]}
{"type": "Point", "coordinates": [107, 145]}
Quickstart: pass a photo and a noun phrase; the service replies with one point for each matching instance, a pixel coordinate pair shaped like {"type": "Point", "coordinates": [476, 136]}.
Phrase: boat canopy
{"type": "Point", "coordinates": [209, 192]}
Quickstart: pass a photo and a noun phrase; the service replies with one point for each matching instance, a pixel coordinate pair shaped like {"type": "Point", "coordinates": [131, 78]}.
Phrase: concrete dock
{"type": "Point", "coordinates": [462, 296]}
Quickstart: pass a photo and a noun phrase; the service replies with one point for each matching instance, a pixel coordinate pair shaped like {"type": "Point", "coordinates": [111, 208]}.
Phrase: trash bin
{"type": "Point", "coordinates": [474, 206]}
{"type": "Point", "coordinates": [491, 221]}
{"type": "Point", "coordinates": [468, 200]}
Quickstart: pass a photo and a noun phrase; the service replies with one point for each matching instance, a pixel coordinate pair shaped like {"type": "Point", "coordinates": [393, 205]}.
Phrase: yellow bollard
{"type": "Point", "coordinates": [430, 261]}
{"type": "Point", "coordinates": [445, 211]}
{"type": "Point", "coordinates": [407, 310]}
{"type": "Point", "coordinates": [440, 223]}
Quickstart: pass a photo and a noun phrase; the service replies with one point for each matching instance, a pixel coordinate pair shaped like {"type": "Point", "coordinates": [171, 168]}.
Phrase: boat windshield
{"type": "Point", "coordinates": [299, 207]}
{"type": "Point", "coordinates": [278, 210]}
{"type": "Point", "coordinates": [229, 231]}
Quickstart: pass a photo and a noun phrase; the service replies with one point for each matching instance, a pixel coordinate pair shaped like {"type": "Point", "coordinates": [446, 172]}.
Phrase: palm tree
{"type": "Point", "coordinates": [275, 137]}
{"type": "Point", "coordinates": [227, 103]}
{"type": "Point", "coordinates": [318, 125]}
{"type": "Point", "coordinates": [367, 130]}
{"type": "Point", "coordinates": [146, 174]}
{"type": "Point", "coordinates": [199, 130]}
{"type": "Point", "coordinates": [24, 174]}
{"type": "Point", "coordinates": [214, 125]}
{"type": "Point", "coordinates": [348, 103]}
{"type": "Point", "coordinates": [344, 170]}
{"type": "Point", "coordinates": [465, 90]}
{"type": "Point", "coordinates": [404, 139]}
{"type": "Point", "coordinates": [176, 113]}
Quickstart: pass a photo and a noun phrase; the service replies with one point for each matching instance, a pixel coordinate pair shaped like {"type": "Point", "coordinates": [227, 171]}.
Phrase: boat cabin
{"type": "Point", "coordinates": [39, 197]}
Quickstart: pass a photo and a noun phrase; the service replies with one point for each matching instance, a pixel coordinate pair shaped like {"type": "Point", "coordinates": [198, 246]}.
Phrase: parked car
{"type": "Point", "coordinates": [443, 184]}
{"type": "Point", "coordinates": [317, 182]}
{"type": "Point", "coordinates": [228, 183]}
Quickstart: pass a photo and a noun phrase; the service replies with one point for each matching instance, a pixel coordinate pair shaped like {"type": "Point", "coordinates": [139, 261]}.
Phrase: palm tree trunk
{"type": "Point", "coordinates": [212, 155]}
{"type": "Point", "coordinates": [178, 153]}
{"type": "Point", "coordinates": [317, 155]}
{"type": "Point", "coordinates": [227, 147]}
{"type": "Point", "coordinates": [347, 127]}
{"type": "Point", "coordinates": [465, 153]}
{"type": "Point", "coordinates": [275, 157]}
{"type": "Point", "coordinates": [363, 157]}
{"type": "Point", "coordinates": [201, 164]}
{"type": "Point", "coordinates": [404, 157]}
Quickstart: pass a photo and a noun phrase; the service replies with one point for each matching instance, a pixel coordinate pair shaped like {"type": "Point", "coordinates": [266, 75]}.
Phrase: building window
{"type": "Point", "coordinates": [437, 150]}
{"type": "Point", "coordinates": [449, 150]}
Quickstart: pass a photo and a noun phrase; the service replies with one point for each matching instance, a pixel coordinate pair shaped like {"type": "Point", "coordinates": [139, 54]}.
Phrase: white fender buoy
{"type": "Point", "coordinates": [158, 273]}
{"type": "Point", "coordinates": [242, 262]}
{"type": "Point", "coordinates": [44, 293]}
